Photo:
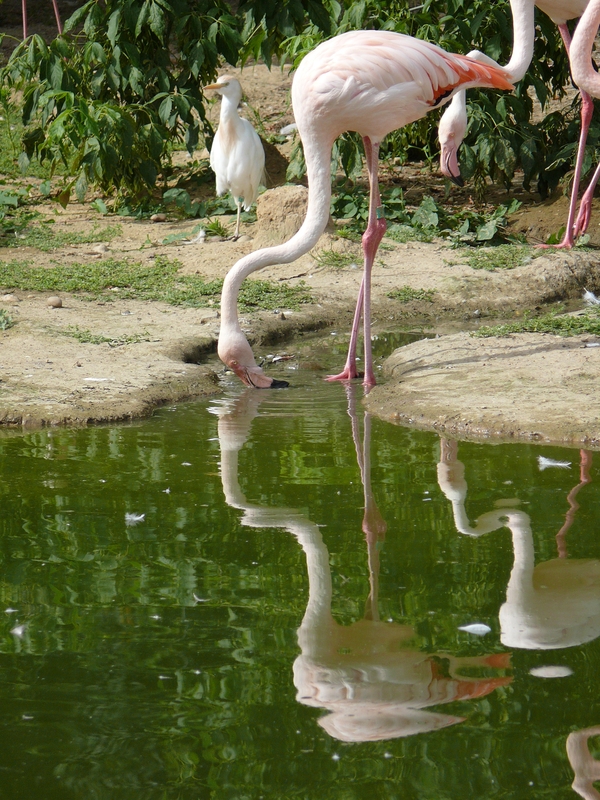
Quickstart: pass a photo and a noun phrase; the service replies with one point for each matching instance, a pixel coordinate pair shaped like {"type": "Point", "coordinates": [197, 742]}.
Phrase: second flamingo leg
{"type": "Point", "coordinates": [587, 110]}
{"type": "Point", "coordinates": [373, 235]}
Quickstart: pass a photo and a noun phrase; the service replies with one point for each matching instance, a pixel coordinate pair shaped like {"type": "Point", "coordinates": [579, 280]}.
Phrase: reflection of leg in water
{"type": "Point", "coordinates": [370, 676]}
{"type": "Point", "coordinates": [373, 524]}
{"type": "Point", "coordinates": [585, 461]}
{"type": "Point", "coordinates": [585, 766]}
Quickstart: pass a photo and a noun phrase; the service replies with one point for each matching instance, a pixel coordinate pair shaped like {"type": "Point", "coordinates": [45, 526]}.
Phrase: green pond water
{"type": "Point", "coordinates": [264, 596]}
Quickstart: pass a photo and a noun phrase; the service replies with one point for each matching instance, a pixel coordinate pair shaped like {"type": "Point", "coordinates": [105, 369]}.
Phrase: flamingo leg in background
{"type": "Point", "coordinates": [584, 477]}
{"type": "Point", "coordinates": [587, 111]}
{"type": "Point", "coordinates": [57, 15]}
{"type": "Point", "coordinates": [371, 239]}
{"type": "Point", "coordinates": [24, 14]}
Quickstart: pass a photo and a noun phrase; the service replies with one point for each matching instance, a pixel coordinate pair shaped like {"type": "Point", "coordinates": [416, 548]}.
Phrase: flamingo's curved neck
{"type": "Point", "coordinates": [318, 157]}
{"type": "Point", "coordinates": [520, 584]}
{"type": "Point", "coordinates": [581, 48]}
{"type": "Point", "coordinates": [523, 38]}
{"type": "Point", "coordinates": [314, 632]}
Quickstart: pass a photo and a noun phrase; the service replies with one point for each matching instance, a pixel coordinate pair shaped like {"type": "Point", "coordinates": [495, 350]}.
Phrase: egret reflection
{"type": "Point", "coordinates": [370, 676]}
{"type": "Point", "coordinates": [554, 604]}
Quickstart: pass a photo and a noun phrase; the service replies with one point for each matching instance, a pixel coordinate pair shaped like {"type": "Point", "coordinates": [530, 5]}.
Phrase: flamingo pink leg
{"type": "Point", "coordinates": [587, 110]}
{"type": "Point", "coordinates": [24, 15]}
{"type": "Point", "coordinates": [57, 15]}
{"type": "Point", "coordinates": [373, 235]}
{"type": "Point", "coordinates": [585, 465]}
{"type": "Point", "coordinates": [585, 207]}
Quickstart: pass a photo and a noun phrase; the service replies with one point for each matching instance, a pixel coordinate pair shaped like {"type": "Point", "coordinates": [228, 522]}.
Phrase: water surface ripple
{"type": "Point", "coordinates": [270, 594]}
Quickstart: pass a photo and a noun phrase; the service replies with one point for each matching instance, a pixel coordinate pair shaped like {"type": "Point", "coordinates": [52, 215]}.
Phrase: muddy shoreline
{"type": "Point", "coordinates": [147, 354]}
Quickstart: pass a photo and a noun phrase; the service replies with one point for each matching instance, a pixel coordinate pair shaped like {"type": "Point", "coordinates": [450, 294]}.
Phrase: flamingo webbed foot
{"type": "Point", "coordinates": [346, 375]}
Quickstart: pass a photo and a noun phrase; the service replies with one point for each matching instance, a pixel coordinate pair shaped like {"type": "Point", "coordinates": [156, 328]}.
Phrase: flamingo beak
{"type": "Point", "coordinates": [255, 378]}
{"type": "Point", "coordinates": [449, 164]}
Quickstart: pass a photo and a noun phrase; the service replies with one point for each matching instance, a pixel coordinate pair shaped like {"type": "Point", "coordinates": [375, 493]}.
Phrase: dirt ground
{"type": "Point", "coordinates": [522, 387]}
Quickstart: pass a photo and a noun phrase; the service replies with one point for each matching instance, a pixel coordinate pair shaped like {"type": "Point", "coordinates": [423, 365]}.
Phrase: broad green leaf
{"type": "Point", "coordinates": [426, 214]}
{"type": "Point", "coordinates": [157, 20]}
{"type": "Point", "coordinates": [112, 30]}
{"type": "Point", "coordinates": [487, 231]}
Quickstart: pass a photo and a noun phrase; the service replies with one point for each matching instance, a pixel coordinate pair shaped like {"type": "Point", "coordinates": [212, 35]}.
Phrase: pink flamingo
{"type": "Point", "coordinates": [372, 82]}
{"type": "Point", "coordinates": [453, 124]}
{"type": "Point", "coordinates": [24, 14]}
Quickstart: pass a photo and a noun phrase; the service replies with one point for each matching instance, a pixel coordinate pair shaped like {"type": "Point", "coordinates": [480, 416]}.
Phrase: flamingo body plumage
{"type": "Point", "coordinates": [371, 82]}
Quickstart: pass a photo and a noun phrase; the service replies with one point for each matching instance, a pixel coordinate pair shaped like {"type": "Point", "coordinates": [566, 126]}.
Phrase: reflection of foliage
{"type": "Point", "coordinates": [157, 657]}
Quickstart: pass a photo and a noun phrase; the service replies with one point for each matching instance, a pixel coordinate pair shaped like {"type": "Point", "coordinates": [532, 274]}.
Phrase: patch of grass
{"type": "Point", "coordinates": [561, 325]}
{"type": "Point", "coordinates": [270, 295]}
{"type": "Point", "coordinates": [503, 256]}
{"type": "Point", "coordinates": [405, 294]}
{"type": "Point", "coordinates": [331, 258]}
{"type": "Point", "coordinates": [6, 321]}
{"type": "Point", "coordinates": [43, 237]}
{"type": "Point", "coordinates": [158, 280]}
{"type": "Point", "coordinates": [88, 337]}
{"type": "Point", "coordinates": [214, 227]}
{"type": "Point", "coordinates": [345, 232]}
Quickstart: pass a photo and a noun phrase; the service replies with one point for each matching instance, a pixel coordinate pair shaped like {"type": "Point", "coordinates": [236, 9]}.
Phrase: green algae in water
{"type": "Point", "coordinates": [262, 596]}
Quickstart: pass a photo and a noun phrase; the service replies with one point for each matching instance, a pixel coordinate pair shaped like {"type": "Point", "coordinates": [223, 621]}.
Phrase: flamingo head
{"type": "Point", "coordinates": [451, 132]}
{"type": "Point", "coordinates": [235, 352]}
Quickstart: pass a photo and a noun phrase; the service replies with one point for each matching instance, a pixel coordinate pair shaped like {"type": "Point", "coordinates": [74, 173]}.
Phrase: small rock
{"type": "Point", "coordinates": [101, 248]}
{"type": "Point", "coordinates": [158, 218]}
{"type": "Point", "coordinates": [8, 298]}
{"type": "Point", "coordinates": [54, 302]}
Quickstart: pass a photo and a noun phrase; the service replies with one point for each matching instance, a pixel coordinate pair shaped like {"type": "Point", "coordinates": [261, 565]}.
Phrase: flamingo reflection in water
{"type": "Point", "coordinates": [369, 675]}
{"type": "Point", "coordinates": [585, 766]}
{"type": "Point", "coordinates": [554, 604]}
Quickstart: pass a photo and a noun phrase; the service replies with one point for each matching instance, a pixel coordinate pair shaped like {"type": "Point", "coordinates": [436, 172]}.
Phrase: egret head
{"type": "Point", "coordinates": [451, 132]}
{"type": "Point", "coordinates": [228, 87]}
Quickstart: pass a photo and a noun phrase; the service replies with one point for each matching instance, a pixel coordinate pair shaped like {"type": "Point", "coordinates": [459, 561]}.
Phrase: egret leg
{"type": "Point", "coordinates": [587, 110]}
{"type": "Point", "coordinates": [373, 235]}
{"type": "Point", "coordinates": [236, 235]}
